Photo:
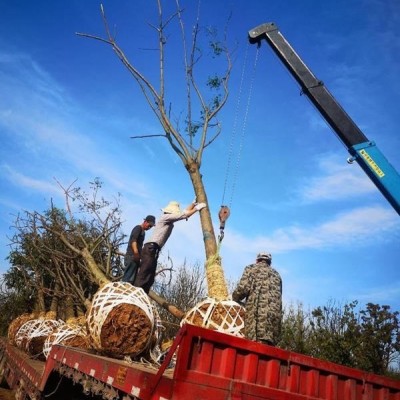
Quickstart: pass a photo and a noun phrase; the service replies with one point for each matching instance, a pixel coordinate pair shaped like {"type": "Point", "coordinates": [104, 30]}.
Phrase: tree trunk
{"type": "Point", "coordinates": [97, 274]}
{"type": "Point", "coordinates": [168, 306]}
{"type": "Point", "coordinates": [40, 302]}
{"type": "Point", "coordinates": [55, 298]}
{"type": "Point", "coordinates": [69, 309]}
{"type": "Point", "coordinates": [217, 287]}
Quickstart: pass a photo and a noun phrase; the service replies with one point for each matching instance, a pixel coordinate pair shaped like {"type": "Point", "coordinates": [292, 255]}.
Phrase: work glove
{"type": "Point", "coordinates": [136, 258]}
{"type": "Point", "coordinates": [200, 206]}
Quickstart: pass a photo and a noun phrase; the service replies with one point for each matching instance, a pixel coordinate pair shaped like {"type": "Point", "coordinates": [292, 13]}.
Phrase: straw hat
{"type": "Point", "coordinates": [172, 208]}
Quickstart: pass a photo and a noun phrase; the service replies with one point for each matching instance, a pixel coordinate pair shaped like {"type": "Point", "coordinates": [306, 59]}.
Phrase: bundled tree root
{"type": "Point", "coordinates": [16, 325]}
{"type": "Point", "coordinates": [32, 335]}
{"type": "Point", "coordinates": [224, 316]}
{"type": "Point", "coordinates": [120, 320]}
{"type": "Point", "coordinates": [126, 330]}
{"type": "Point", "coordinates": [68, 335]}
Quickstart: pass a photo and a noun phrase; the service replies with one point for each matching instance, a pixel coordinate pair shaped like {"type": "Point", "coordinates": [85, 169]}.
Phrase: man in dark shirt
{"type": "Point", "coordinates": [134, 249]}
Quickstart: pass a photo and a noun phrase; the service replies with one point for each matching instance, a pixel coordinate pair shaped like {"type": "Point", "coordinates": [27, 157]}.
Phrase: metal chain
{"type": "Point", "coordinates": [235, 122]}
{"type": "Point", "coordinates": [236, 172]}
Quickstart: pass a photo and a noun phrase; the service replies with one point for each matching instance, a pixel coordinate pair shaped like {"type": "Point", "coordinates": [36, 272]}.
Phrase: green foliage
{"type": "Point", "coordinates": [217, 48]}
{"type": "Point", "coordinates": [295, 330]}
{"type": "Point", "coordinates": [335, 333]}
{"type": "Point", "coordinates": [380, 343]}
{"type": "Point", "coordinates": [47, 262]}
{"type": "Point", "coordinates": [367, 339]}
{"type": "Point", "coordinates": [192, 127]}
{"type": "Point", "coordinates": [214, 82]}
{"type": "Point", "coordinates": [12, 304]}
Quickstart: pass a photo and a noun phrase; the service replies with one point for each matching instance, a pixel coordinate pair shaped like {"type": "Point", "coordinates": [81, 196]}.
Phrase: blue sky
{"type": "Point", "coordinates": [68, 109]}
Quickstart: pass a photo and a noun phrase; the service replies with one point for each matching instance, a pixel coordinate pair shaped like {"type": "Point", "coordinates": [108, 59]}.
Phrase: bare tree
{"type": "Point", "coordinates": [201, 125]}
{"type": "Point", "coordinates": [185, 288]}
{"type": "Point", "coordinates": [62, 257]}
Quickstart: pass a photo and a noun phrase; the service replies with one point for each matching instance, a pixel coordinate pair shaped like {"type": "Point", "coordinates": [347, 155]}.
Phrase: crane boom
{"type": "Point", "coordinates": [362, 150]}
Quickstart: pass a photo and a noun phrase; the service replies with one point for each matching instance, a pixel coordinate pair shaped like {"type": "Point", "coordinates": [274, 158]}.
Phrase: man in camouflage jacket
{"type": "Point", "coordinates": [260, 288]}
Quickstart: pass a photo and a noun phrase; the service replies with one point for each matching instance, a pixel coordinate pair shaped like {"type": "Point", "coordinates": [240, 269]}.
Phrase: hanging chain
{"type": "Point", "coordinates": [236, 172]}
{"type": "Point", "coordinates": [235, 122]}
{"type": "Point", "coordinates": [225, 210]}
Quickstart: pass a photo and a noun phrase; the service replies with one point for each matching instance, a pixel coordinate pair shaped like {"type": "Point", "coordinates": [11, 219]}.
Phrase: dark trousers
{"type": "Point", "coordinates": [130, 271]}
{"type": "Point", "coordinates": [148, 265]}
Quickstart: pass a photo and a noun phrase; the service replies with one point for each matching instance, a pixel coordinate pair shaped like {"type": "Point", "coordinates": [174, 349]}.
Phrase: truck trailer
{"type": "Point", "coordinates": [201, 364]}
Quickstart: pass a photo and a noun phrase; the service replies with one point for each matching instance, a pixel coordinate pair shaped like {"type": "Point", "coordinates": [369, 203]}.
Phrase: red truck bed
{"type": "Point", "coordinates": [209, 365]}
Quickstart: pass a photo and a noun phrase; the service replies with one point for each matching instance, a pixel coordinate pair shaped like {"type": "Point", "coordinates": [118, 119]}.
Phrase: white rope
{"type": "Point", "coordinates": [208, 315]}
{"type": "Point", "coordinates": [35, 328]}
{"type": "Point", "coordinates": [62, 335]}
{"type": "Point", "coordinates": [110, 296]}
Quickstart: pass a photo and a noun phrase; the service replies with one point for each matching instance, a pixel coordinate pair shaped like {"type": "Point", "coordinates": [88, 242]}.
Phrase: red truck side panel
{"type": "Point", "coordinates": [243, 369]}
{"type": "Point", "coordinates": [208, 365]}
{"type": "Point", "coordinates": [20, 372]}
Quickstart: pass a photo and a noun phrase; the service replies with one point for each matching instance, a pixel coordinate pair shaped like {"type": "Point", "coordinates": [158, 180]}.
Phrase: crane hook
{"type": "Point", "coordinates": [223, 215]}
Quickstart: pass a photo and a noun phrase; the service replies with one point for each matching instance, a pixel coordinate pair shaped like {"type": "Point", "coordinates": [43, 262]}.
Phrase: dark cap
{"type": "Point", "coordinates": [151, 219]}
{"type": "Point", "coordinates": [264, 256]}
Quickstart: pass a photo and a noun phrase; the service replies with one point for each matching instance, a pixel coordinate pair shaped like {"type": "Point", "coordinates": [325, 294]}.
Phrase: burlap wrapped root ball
{"type": "Point", "coordinates": [33, 333]}
{"type": "Point", "coordinates": [16, 324]}
{"type": "Point", "coordinates": [73, 335]}
{"type": "Point", "coordinates": [120, 320]}
{"type": "Point", "coordinates": [225, 316]}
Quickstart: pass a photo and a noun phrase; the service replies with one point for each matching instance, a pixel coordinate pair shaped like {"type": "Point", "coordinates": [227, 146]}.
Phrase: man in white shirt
{"type": "Point", "coordinates": [161, 232]}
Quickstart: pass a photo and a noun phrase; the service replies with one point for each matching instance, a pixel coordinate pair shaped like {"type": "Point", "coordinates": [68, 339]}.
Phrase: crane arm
{"type": "Point", "coordinates": [365, 152]}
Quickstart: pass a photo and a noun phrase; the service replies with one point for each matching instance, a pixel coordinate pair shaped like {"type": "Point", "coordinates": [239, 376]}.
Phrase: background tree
{"type": "Point", "coordinates": [367, 339]}
{"type": "Point", "coordinates": [335, 333]}
{"type": "Point", "coordinates": [380, 339]}
{"type": "Point", "coordinates": [205, 96]}
{"type": "Point", "coordinates": [295, 331]}
{"type": "Point", "coordinates": [184, 288]}
{"type": "Point", "coordinates": [60, 258]}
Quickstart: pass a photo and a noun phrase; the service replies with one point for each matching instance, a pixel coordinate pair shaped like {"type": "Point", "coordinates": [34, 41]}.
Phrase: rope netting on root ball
{"type": "Point", "coordinates": [32, 335]}
{"type": "Point", "coordinates": [224, 316]}
{"type": "Point", "coordinates": [16, 324]}
{"type": "Point", "coordinates": [120, 320]}
{"type": "Point", "coordinates": [68, 335]}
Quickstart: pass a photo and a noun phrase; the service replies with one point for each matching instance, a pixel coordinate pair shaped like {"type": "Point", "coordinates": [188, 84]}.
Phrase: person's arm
{"type": "Point", "coordinates": [188, 212]}
{"type": "Point", "coordinates": [193, 207]}
{"type": "Point", "coordinates": [242, 290]}
{"type": "Point", "coordinates": [136, 254]}
{"type": "Point", "coordinates": [137, 231]}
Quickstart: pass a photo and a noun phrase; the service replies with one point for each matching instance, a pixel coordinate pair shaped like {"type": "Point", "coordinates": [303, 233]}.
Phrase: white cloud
{"type": "Point", "coordinates": [335, 181]}
{"type": "Point", "coordinates": [23, 181]}
{"type": "Point", "coordinates": [381, 294]}
{"type": "Point", "coordinates": [44, 124]}
{"type": "Point", "coordinates": [356, 227]}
